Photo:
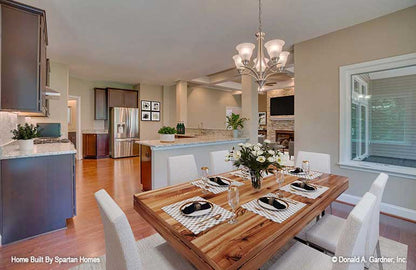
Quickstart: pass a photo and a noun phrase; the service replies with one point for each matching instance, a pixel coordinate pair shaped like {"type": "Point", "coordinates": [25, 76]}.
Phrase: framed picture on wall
{"type": "Point", "coordinates": [155, 116]}
{"type": "Point", "coordinates": [146, 116]}
{"type": "Point", "coordinates": [262, 118]}
{"type": "Point", "coordinates": [146, 105]}
{"type": "Point", "coordinates": [155, 106]}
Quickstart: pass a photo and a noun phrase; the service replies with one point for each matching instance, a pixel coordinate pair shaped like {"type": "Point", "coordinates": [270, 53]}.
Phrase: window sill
{"type": "Point", "coordinates": [399, 171]}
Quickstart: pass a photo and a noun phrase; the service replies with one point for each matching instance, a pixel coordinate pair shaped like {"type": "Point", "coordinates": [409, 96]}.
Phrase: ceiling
{"type": "Point", "coordinates": [162, 41]}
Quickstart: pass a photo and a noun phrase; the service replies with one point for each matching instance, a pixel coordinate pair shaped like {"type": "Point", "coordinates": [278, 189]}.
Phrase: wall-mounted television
{"type": "Point", "coordinates": [282, 105]}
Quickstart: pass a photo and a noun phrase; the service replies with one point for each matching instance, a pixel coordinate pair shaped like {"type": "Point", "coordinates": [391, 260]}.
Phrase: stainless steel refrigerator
{"type": "Point", "coordinates": [124, 131]}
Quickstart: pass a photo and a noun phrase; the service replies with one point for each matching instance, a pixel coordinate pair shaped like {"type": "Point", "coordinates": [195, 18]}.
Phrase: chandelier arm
{"type": "Point", "coordinates": [256, 74]}
{"type": "Point", "coordinates": [248, 73]}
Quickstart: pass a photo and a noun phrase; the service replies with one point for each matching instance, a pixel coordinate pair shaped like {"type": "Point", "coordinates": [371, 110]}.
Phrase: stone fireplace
{"type": "Point", "coordinates": [273, 124]}
{"type": "Point", "coordinates": [283, 137]}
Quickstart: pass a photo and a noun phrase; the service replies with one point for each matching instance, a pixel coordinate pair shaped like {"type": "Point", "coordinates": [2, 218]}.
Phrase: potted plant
{"type": "Point", "coordinates": [234, 122]}
{"type": "Point", "coordinates": [25, 134]}
{"type": "Point", "coordinates": [167, 134]}
{"type": "Point", "coordinates": [258, 158]}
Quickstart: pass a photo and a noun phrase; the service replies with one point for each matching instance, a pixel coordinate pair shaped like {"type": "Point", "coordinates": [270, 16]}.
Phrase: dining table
{"type": "Point", "coordinates": [247, 244]}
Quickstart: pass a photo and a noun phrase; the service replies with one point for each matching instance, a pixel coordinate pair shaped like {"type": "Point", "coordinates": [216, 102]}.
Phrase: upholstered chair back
{"type": "Point", "coordinates": [218, 164]}
{"type": "Point", "coordinates": [352, 241]}
{"type": "Point", "coordinates": [120, 245]}
{"type": "Point", "coordinates": [182, 169]}
{"type": "Point", "coordinates": [318, 161]}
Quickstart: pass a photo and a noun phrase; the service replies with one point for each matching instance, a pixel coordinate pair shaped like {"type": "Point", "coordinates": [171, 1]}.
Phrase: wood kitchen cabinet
{"type": "Point", "coordinates": [95, 145]}
{"type": "Point", "coordinates": [37, 195]}
{"type": "Point", "coordinates": [123, 98]}
{"type": "Point", "coordinates": [101, 105]}
{"type": "Point", "coordinates": [23, 58]}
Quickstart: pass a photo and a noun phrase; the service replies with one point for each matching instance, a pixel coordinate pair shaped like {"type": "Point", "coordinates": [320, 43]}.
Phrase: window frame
{"type": "Point", "coordinates": [345, 78]}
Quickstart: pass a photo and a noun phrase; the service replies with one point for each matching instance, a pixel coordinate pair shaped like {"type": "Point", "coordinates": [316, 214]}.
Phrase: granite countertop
{"type": "Point", "coordinates": [190, 141]}
{"type": "Point", "coordinates": [11, 150]}
{"type": "Point", "coordinates": [98, 131]}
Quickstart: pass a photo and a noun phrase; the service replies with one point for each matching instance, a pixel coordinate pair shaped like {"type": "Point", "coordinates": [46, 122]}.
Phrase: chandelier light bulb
{"type": "Point", "coordinates": [237, 61]}
{"type": "Point", "coordinates": [245, 50]}
{"type": "Point", "coordinates": [283, 58]}
{"type": "Point", "coordinates": [274, 47]}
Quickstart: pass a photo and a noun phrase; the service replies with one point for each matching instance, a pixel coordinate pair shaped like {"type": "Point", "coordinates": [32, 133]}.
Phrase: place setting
{"type": "Point", "coordinates": [214, 184]}
{"type": "Point", "coordinates": [304, 172]}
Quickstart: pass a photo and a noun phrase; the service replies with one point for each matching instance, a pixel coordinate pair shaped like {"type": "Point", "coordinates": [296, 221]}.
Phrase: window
{"type": "Point", "coordinates": [378, 116]}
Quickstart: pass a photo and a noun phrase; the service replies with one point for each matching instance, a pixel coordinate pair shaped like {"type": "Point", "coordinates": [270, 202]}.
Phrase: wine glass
{"type": "Point", "coordinates": [280, 179]}
{"type": "Point", "coordinates": [233, 201]}
{"type": "Point", "coordinates": [306, 167]}
{"type": "Point", "coordinates": [204, 178]}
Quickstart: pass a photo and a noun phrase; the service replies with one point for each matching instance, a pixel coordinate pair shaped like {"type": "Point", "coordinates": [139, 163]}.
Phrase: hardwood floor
{"type": "Point", "coordinates": [84, 235]}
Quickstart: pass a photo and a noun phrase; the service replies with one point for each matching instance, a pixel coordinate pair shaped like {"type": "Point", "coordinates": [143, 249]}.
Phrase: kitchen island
{"type": "Point", "coordinates": [155, 154]}
{"type": "Point", "coordinates": [37, 191]}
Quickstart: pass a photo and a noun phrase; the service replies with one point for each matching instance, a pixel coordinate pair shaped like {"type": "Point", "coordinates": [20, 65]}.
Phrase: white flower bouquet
{"type": "Point", "coordinates": [258, 158]}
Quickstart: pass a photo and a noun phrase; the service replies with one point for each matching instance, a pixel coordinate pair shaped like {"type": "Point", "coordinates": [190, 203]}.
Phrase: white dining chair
{"type": "Point", "coordinates": [121, 248]}
{"type": "Point", "coordinates": [351, 244]}
{"type": "Point", "coordinates": [182, 169]}
{"type": "Point", "coordinates": [329, 229]}
{"type": "Point", "coordinates": [318, 161]}
{"type": "Point", "coordinates": [218, 164]}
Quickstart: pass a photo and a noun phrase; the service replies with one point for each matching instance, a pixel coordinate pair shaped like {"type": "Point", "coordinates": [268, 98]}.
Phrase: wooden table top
{"type": "Point", "coordinates": [245, 245]}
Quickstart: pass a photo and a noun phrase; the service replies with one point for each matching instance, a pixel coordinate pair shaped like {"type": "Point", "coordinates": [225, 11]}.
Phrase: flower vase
{"type": "Point", "coordinates": [256, 179]}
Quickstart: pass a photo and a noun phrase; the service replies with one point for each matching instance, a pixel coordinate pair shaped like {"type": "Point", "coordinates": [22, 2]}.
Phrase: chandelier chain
{"type": "Point", "coordinates": [260, 26]}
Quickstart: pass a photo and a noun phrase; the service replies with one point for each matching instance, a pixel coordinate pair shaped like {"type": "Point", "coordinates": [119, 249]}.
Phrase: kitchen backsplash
{"type": "Point", "coordinates": [209, 132]}
{"type": "Point", "coordinates": [8, 121]}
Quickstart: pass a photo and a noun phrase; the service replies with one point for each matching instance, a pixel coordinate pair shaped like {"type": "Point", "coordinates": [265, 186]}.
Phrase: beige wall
{"type": "Point", "coordinates": [317, 63]}
{"type": "Point", "coordinates": [85, 89]}
{"type": "Point", "coordinates": [208, 106]}
{"type": "Point", "coordinates": [58, 113]}
{"type": "Point", "coordinates": [149, 129]}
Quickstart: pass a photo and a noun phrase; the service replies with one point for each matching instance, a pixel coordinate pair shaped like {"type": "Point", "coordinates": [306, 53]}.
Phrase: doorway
{"type": "Point", "coordinates": [74, 123]}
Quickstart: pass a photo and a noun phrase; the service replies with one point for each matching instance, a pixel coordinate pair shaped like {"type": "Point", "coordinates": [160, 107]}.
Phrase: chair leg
{"type": "Point", "coordinates": [330, 208]}
{"type": "Point", "coordinates": [380, 265]}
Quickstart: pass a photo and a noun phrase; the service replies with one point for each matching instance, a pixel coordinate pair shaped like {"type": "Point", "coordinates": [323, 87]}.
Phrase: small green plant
{"type": "Point", "coordinates": [167, 130]}
{"type": "Point", "coordinates": [25, 132]}
{"type": "Point", "coordinates": [234, 121]}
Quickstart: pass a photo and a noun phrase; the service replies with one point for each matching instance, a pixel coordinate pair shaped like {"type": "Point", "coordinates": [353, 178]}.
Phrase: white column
{"type": "Point", "coordinates": [166, 104]}
{"type": "Point", "coordinates": [249, 107]}
{"type": "Point", "coordinates": [182, 101]}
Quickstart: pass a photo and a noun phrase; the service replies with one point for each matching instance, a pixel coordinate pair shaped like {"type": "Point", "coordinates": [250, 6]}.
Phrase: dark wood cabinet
{"type": "Point", "coordinates": [38, 195]}
{"type": "Point", "coordinates": [23, 58]}
{"type": "Point", "coordinates": [101, 106]}
{"type": "Point", "coordinates": [146, 167]}
{"type": "Point", "coordinates": [95, 145]}
{"type": "Point", "coordinates": [123, 98]}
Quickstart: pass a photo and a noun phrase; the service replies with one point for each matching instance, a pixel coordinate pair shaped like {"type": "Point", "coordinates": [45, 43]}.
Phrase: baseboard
{"type": "Point", "coordinates": [385, 208]}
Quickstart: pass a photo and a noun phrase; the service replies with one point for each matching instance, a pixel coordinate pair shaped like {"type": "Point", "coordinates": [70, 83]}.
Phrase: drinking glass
{"type": "Point", "coordinates": [204, 178]}
{"type": "Point", "coordinates": [233, 201]}
{"type": "Point", "coordinates": [306, 167]}
{"type": "Point", "coordinates": [280, 179]}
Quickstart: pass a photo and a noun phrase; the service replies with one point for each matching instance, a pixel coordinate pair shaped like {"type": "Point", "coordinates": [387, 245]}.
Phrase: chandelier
{"type": "Point", "coordinates": [261, 68]}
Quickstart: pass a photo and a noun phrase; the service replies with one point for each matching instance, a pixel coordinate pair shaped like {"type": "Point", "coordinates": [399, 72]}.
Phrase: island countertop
{"type": "Point", "coordinates": [189, 142]}
{"type": "Point", "coordinates": [11, 150]}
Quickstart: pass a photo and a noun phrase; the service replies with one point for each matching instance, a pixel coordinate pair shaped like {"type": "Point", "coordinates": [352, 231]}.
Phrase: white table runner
{"type": "Point", "coordinates": [311, 195]}
{"type": "Point", "coordinates": [215, 189]}
{"type": "Point", "coordinates": [193, 223]}
{"type": "Point", "coordinates": [276, 216]}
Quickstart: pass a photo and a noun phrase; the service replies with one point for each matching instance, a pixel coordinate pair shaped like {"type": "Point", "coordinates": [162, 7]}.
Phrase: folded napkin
{"type": "Point", "coordinates": [217, 180]}
{"type": "Point", "coordinates": [273, 202]}
{"type": "Point", "coordinates": [303, 186]}
{"type": "Point", "coordinates": [195, 206]}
